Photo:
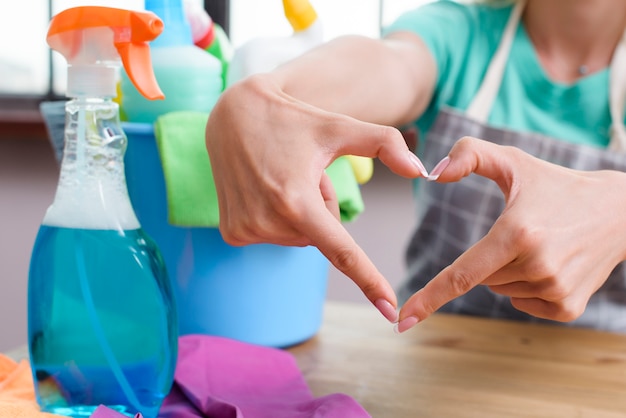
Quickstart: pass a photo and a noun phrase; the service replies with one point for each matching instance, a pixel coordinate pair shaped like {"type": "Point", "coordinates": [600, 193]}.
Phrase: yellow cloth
{"type": "Point", "coordinates": [17, 392]}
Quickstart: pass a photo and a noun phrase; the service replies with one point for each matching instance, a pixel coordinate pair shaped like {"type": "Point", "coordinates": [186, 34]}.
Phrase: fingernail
{"type": "Point", "coordinates": [441, 165]}
{"type": "Point", "coordinates": [416, 162]}
{"type": "Point", "coordinates": [387, 310]}
{"type": "Point", "coordinates": [405, 324]}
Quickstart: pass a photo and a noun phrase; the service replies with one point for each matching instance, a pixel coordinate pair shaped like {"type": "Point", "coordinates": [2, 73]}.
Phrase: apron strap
{"type": "Point", "coordinates": [617, 96]}
{"type": "Point", "coordinates": [480, 106]}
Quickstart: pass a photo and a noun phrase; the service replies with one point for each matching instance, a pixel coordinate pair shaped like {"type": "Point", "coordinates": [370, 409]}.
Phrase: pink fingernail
{"type": "Point", "coordinates": [405, 324]}
{"type": "Point", "coordinates": [441, 165]}
{"type": "Point", "coordinates": [416, 162]}
{"type": "Point", "coordinates": [387, 310]}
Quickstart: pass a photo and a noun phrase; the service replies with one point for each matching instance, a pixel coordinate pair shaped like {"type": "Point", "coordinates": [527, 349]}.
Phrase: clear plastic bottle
{"type": "Point", "coordinates": [190, 78]}
{"type": "Point", "coordinates": [102, 321]}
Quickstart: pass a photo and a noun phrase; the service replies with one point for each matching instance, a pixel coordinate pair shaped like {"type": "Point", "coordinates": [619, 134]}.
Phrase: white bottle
{"type": "Point", "coordinates": [263, 54]}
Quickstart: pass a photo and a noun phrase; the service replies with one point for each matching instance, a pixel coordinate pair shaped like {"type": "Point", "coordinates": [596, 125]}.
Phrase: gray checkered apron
{"type": "Point", "coordinates": [452, 217]}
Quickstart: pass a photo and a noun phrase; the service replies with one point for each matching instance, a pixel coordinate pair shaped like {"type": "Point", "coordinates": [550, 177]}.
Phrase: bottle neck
{"type": "Point", "coordinates": [94, 140]}
{"type": "Point", "coordinates": [92, 191]}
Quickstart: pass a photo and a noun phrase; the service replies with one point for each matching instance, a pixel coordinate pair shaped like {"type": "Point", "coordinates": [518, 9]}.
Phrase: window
{"type": "Point", "coordinates": [24, 57]}
{"type": "Point", "coordinates": [252, 18]}
{"type": "Point", "coordinates": [30, 72]}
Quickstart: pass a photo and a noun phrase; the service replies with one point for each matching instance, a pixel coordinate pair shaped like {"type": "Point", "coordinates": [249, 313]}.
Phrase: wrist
{"type": "Point", "coordinates": [618, 182]}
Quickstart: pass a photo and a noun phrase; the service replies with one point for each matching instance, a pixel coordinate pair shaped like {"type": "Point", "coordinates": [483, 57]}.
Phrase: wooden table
{"type": "Point", "coordinates": [462, 367]}
{"type": "Point", "coordinates": [454, 366]}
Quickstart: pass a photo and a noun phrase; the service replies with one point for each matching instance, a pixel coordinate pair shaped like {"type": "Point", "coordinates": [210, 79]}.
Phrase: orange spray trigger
{"type": "Point", "coordinates": [95, 39]}
{"type": "Point", "coordinates": [136, 61]}
{"type": "Point", "coordinates": [135, 55]}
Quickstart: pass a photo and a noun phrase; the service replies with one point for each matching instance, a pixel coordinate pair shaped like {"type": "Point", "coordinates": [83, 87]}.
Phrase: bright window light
{"type": "Point", "coordinates": [24, 54]}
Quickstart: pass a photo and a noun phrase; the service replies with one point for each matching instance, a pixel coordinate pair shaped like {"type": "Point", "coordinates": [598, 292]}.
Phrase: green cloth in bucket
{"type": "Point", "coordinates": [190, 190]}
{"type": "Point", "coordinates": [347, 189]}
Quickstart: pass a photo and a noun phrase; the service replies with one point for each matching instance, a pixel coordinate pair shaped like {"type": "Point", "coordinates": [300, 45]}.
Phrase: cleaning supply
{"type": "Point", "coordinates": [271, 295]}
{"type": "Point", "coordinates": [190, 78]}
{"type": "Point", "coordinates": [106, 412]}
{"type": "Point", "coordinates": [209, 35]}
{"type": "Point", "coordinates": [200, 23]}
{"type": "Point", "coordinates": [221, 377]}
{"type": "Point", "coordinates": [221, 48]}
{"type": "Point", "coordinates": [53, 114]}
{"type": "Point", "coordinates": [263, 54]}
{"type": "Point", "coordinates": [17, 393]}
{"type": "Point", "coordinates": [102, 325]}
{"type": "Point", "coordinates": [191, 194]}
{"type": "Point", "coordinates": [263, 294]}
{"type": "Point", "coordinates": [363, 167]}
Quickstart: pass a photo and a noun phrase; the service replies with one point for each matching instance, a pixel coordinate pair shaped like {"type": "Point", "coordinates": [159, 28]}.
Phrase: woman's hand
{"type": "Point", "coordinates": [559, 237]}
{"type": "Point", "coordinates": [268, 153]}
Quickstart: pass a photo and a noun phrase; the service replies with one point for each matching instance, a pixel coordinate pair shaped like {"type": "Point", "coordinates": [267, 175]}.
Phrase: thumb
{"type": "Point", "coordinates": [377, 141]}
{"type": "Point", "coordinates": [479, 262]}
{"type": "Point", "coordinates": [472, 155]}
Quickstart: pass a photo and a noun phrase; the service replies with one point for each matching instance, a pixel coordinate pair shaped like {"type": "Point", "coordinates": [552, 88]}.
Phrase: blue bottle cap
{"type": "Point", "coordinates": [176, 30]}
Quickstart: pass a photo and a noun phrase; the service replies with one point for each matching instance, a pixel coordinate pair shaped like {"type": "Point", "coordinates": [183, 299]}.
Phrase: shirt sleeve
{"type": "Point", "coordinates": [462, 39]}
{"type": "Point", "coordinates": [444, 26]}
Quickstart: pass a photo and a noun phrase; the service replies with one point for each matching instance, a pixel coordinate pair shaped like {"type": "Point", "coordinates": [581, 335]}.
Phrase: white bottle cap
{"type": "Point", "coordinates": [92, 81]}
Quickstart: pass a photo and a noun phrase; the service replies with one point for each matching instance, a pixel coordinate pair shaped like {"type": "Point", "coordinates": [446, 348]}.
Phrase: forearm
{"type": "Point", "coordinates": [387, 82]}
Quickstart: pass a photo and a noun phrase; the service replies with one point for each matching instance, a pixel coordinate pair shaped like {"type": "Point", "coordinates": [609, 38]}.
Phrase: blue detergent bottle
{"type": "Point", "coordinates": [190, 77]}
{"type": "Point", "coordinates": [102, 325]}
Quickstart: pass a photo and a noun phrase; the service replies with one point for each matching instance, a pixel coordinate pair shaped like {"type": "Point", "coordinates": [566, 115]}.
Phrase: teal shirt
{"type": "Point", "coordinates": [463, 38]}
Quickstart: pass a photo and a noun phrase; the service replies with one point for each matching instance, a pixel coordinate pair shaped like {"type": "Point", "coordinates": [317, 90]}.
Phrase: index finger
{"type": "Point", "coordinates": [472, 267]}
{"type": "Point", "coordinates": [333, 240]}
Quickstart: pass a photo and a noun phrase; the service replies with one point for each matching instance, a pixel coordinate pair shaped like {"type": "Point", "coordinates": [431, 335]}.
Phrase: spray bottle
{"type": "Point", "coordinates": [190, 78]}
{"type": "Point", "coordinates": [209, 35]}
{"type": "Point", "coordinates": [263, 54]}
{"type": "Point", "coordinates": [102, 320]}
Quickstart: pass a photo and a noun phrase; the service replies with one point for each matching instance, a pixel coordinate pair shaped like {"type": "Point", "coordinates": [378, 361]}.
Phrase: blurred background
{"type": "Point", "coordinates": [30, 74]}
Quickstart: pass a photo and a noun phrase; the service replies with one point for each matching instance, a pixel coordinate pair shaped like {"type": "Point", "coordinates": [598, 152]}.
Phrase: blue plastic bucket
{"type": "Point", "coordinates": [262, 294]}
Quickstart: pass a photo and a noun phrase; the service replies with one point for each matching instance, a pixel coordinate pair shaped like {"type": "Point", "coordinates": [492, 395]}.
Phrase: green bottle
{"type": "Point", "coordinates": [209, 35]}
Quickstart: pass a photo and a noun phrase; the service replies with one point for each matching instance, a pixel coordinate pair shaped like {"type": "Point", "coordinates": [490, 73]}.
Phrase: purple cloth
{"type": "Point", "coordinates": [104, 412]}
{"type": "Point", "coordinates": [222, 378]}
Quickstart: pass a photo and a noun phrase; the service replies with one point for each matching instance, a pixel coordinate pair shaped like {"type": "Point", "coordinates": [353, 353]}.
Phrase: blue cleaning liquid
{"type": "Point", "coordinates": [100, 322]}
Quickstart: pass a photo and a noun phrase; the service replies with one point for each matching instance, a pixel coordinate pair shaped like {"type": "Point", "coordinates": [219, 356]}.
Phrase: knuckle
{"type": "Point", "coordinates": [555, 291]}
{"type": "Point", "coordinates": [514, 152]}
{"type": "Point", "coordinates": [288, 205]}
{"type": "Point", "coordinates": [569, 312]}
{"type": "Point", "coordinates": [428, 308]}
{"type": "Point", "coordinates": [543, 268]}
{"type": "Point", "coordinates": [466, 142]}
{"type": "Point", "coordinates": [238, 231]}
{"type": "Point", "coordinates": [345, 259]}
{"type": "Point", "coordinates": [389, 132]}
{"type": "Point", "coordinates": [231, 238]}
{"type": "Point", "coordinates": [526, 238]}
{"type": "Point", "coordinates": [368, 288]}
{"type": "Point", "coordinates": [461, 281]}
{"type": "Point", "coordinates": [299, 242]}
